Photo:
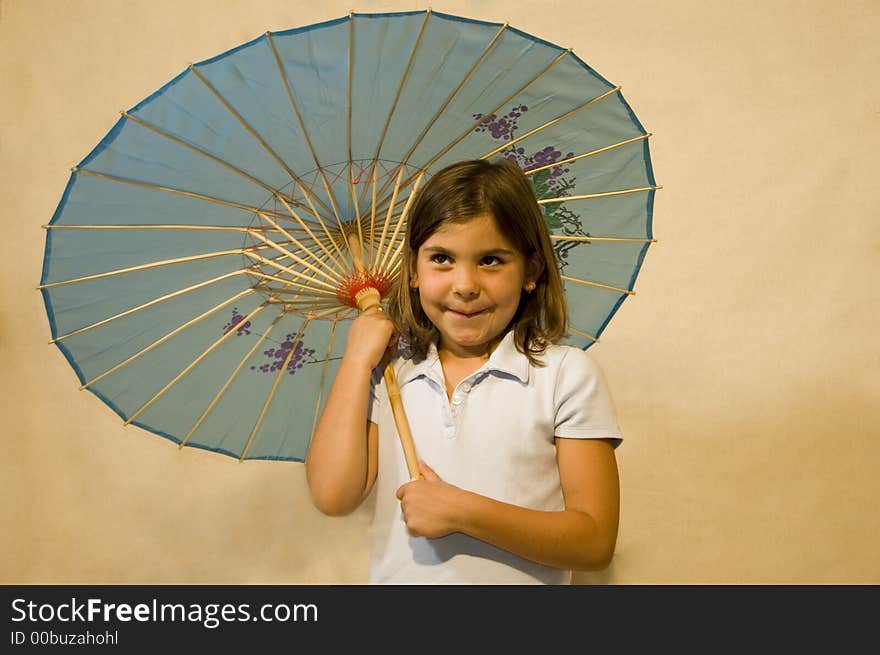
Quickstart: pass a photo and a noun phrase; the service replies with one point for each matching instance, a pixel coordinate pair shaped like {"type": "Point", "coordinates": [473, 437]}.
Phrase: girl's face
{"type": "Point", "coordinates": [470, 278]}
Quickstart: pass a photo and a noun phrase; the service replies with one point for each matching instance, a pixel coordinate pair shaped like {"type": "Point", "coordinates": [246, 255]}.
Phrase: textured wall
{"type": "Point", "coordinates": [744, 369]}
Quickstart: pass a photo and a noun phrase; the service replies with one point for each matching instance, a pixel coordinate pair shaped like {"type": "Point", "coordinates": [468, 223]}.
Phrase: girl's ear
{"type": "Point", "coordinates": [534, 268]}
{"type": "Point", "coordinates": [413, 276]}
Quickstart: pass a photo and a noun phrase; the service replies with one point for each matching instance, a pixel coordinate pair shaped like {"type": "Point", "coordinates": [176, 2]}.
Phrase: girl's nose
{"type": "Point", "coordinates": [465, 284]}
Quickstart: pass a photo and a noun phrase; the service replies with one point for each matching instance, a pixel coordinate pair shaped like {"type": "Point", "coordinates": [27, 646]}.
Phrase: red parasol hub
{"type": "Point", "coordinates": [356, 283]}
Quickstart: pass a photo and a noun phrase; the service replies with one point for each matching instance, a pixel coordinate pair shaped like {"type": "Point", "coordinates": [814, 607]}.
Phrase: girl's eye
{"type": "Point", "coordinates": [439, 258]}
{"type": "Point", "coordinates": [490, 260]}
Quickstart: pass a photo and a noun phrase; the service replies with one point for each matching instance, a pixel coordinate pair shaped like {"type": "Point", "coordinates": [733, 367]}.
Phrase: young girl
{"type": "Point", "coordinates": [515, 435]}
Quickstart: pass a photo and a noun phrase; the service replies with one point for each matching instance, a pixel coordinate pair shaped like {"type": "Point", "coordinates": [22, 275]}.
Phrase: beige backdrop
{"type": "Point", "coordinates": [745, 369]}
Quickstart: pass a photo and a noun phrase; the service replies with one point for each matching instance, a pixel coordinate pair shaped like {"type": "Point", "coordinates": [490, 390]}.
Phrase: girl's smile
{"type": "Point", "coordinates": [470, 280]}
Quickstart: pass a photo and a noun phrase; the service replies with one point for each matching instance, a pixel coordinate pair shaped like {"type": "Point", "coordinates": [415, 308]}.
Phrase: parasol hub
{"type": "Point", "coordinates": [367, 298]}
{"type": "Point", "coordinates": [363, 287]}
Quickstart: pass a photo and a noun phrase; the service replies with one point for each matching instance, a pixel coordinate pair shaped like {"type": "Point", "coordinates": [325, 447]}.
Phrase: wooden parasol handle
{"type": "Point", "coordinates": [367, 299]}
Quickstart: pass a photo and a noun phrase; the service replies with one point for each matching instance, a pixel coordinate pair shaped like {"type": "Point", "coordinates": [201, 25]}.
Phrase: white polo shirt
{"type": "Point", "coordinates": [495, 437]}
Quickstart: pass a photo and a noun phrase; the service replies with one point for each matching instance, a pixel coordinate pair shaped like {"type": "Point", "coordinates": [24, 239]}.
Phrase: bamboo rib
{"type": "Point", "coordinates": [476, 124]}
{"type": "Point", "coordinates": [155, 187]}
{"type": "Point", "coordinates": [373, 215]}
{"type": "Point", "coordinates": [145, 305]}
{"type": "Point", "coordinates": [400, 86]}
{"type": "Point", "coordinates": [550, 123]}
{"type": "Point", "coordinates": [287, 269]}
{"type": "Point", "coordinates": [308, 231]}
{"type": "Point", "coordinates": [597, 284]}
{"type": "Point", "coordinates": [454, 93]}
{"type": "Point", "coordinates": [302, 125]}
{"type": "Point", "coordinates": [342, 311]}
{"type": "Point", "coordinates": [353, 196]}
{"type": "Point", "coordinates": [379, 250]}
{"type": "Point", "coordinates": [604, 194]}
{"type": "Point", "coordinates": [304, 290]}
{"type": "Point", "coordinates": [165, 338]}
{"type": "Point", "coordinates": [250, 130]}
{"type": "Point", "coordinates": [330, 265]}
{"type": "Point", "coordinates": [352, 192]}
{"type": "Point", "coordinates": [165, 226]}
{"type": "Point", "coordinates": [284, 251]}
{"type": "Point", "coordinates": [351, 186]}
{"type": "Point", "coordinates": [157, 130]}
{"type": "Point", "coordinates": [246, 230]}
{"type": "Point", "coordinates": [193, 364]}
{"type": "Point", "coordinates": [560, 237]}
{"type": "Point", "coordinates": [231, 378]}
{"type": "Point", "coordinates": [141, 267]}
{"type": "Point", "coordinates": [333, 241]}
{"type": "Point", "coordinates": [598, 151]}
{"type": "Point", "coordinates": [293, 176]}
{"type": "Point", "coordinates": [586, 335]}
{"type": "Point", "coordinates": [271, 396]}
{"type": "Point", "coordinates": [403, 215]}
{"type": "Point", "coordinates": [323, 379]}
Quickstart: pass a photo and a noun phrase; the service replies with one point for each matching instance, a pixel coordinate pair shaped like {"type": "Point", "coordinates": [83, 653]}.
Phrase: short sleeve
{"type": "Point", "coordinates": [583, 404]}
{"type": "Point", "coordinates": [378, 396]}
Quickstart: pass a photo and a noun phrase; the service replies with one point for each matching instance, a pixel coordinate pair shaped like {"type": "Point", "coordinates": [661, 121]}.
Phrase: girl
{"type": "Point", "coordinates": [515, 434]}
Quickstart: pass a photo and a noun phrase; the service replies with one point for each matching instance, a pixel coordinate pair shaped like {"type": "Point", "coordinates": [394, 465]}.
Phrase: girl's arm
{"type": "Point", "coordinates": [342, 460]}
{"type": "Point", "coordinates": [580, 537]}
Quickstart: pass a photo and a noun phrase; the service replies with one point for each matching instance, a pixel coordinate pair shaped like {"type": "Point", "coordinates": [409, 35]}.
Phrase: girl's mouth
{"type": "Point", "coordinates": [470, 314]}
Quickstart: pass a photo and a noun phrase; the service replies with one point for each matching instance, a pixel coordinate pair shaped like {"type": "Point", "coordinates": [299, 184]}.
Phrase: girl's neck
{"type": "Point", "coordinates": [457, 356]}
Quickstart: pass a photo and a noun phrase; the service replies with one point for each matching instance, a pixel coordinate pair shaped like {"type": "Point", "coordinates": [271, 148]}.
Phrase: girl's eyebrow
{"type": "Point", "coordinates": [491, 251]}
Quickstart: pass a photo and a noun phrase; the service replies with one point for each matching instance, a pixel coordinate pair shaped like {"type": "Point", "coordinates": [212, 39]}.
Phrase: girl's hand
{"type": "Point", "coordinates": [429, 504]}
{"type": "Point", "coordinates": [371, 336]}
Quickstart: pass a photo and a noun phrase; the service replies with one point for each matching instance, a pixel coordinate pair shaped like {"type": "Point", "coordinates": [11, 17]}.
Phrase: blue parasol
{"type": "Point", "coordinates": [201, 268]}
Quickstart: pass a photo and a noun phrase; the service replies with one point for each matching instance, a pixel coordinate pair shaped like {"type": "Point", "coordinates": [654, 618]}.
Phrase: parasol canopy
{"type": "Point", "coordinates": [200, 269]}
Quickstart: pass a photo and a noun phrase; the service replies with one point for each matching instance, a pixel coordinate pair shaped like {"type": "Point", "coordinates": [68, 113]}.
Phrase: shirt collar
{"type": "Point", "coordinates": [505, 359]}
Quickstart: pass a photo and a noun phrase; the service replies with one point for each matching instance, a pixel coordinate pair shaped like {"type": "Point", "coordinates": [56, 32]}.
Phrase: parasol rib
{"type": "Point", "coordinates": [284, 251]}
{"type": "Point", "coordinates": [155, 301]}
{"type": "Point", "coordinates": [281, 371]}
{"type": "Point", "coordinates": [168, 336]}
{"type": "Point", "coordinates": [287, 269]}
{"type": "Point", "coordinates": [351, 186]}
{"type": "Point", "coordinates": [306, 290]}
{"type": "Point", "coordinates": [401, 219]}
{"type": "Point", "coordinates": [164, 189]}
{"type": "Point", "coordinates": [204, 153]}
{"type": "Point", "coordinates": [481, 120]}
{"type": "Point", "coordinates": [599, 285]}
{"type": "Point", "coordinates": [603, 194]}
{"type": "Point", "coordinates": [286, 82]}
{"type": "Point", "coordinates": [251, 131]}
{"type": "Point", "coordinates": [400, 86]}
{"type": "Point", "coordinates": [379, 250]}
{"type": "Point", "coordinates": [141, 267]}
{"type": "Point", "coordinates": [310, 233]}
{"type": "Point", "coordinates": [454, 93]}
{"type": "Point", "coordinates": [583, 334]}
{"type": "Point", "coordinates": [598, 151]}
{"type": "Point", "coordinates": [373, 215]}
{"type": "Point", "coordinates": [551, 123]}
{"type": "Point", "coordinates": [193, 364]}
{"type": "Point", "coordinates": [231, 378]}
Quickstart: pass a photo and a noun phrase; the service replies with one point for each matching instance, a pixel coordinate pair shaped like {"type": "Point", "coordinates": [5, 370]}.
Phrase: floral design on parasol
{"type": "Point", "coordinates": [206, 257]}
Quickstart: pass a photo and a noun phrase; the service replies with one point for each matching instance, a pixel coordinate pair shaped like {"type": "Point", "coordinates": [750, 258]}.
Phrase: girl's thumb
{"type": "Point", "coordinates": [428, 472]}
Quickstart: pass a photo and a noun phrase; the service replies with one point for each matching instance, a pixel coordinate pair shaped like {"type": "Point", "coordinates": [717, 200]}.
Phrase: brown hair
{"type": "Point", "coordinates": [457, 194]}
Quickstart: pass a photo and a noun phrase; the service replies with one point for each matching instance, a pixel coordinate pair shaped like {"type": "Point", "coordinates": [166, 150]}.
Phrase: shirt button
{"type": "Point", "coordinates": [466, 387]}
{"type": "Point", "coordinates": [456, 400]}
